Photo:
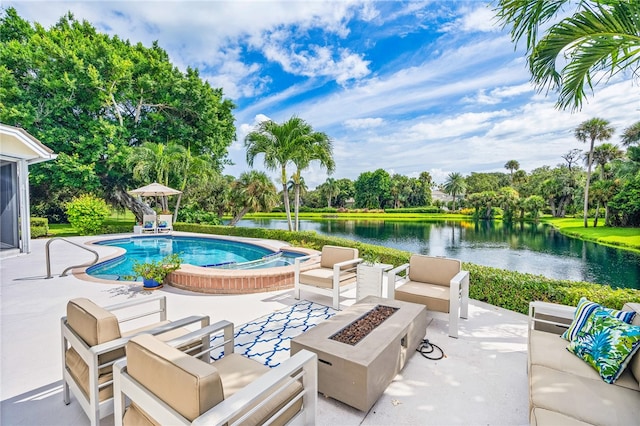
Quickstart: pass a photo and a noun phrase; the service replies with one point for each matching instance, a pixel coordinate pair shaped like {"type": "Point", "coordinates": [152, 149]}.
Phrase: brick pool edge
{"type": "Point", "coordinates": [235, 281]}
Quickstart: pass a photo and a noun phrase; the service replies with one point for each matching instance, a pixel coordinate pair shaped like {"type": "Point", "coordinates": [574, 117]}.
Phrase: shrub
{"type": "Point", "coordinates": [507, 289]}
{"type": "Point", "coordinates": [87, 213]}
{"type": "Point", "coordinates": [39, 227]}
{"type": "Point", "coordinates": [426, 209]}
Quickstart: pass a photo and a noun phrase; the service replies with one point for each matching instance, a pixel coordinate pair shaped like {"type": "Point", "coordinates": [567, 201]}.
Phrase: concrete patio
{"type": "Point", "coordinates": [482, 379]}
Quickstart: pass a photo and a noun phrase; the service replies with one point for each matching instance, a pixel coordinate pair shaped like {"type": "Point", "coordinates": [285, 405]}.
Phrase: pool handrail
{"type": "Point", "coordinates": [64, 273]}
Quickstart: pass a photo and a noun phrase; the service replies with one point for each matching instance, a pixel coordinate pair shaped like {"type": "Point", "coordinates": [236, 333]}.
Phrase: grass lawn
{"type": "Point", "coordinates": [628, 238]}
{"type": "Point", "coordinates": [116, 219]}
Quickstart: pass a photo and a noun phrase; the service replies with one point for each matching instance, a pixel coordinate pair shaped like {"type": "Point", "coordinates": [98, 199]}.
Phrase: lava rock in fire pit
{"type": "Point", "coordinates": [360, 328]}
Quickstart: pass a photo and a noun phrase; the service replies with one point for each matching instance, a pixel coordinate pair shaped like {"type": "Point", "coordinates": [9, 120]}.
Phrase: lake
{"type": "Point", "coordinates": [526, 247]}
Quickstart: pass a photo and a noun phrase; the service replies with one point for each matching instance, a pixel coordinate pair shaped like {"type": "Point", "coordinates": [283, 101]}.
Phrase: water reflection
{"type": "Point", "coordinates": [523, 247]}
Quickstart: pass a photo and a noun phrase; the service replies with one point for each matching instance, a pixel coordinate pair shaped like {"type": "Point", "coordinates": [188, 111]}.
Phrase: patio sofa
{"type": "Point", "coordinates": [564, 389]}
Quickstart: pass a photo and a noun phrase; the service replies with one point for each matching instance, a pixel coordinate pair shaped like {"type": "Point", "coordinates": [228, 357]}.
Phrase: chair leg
{"type": "Point", "coordinates": [336, 299]}
{"type": "Point", "coordinates": [296, 293]}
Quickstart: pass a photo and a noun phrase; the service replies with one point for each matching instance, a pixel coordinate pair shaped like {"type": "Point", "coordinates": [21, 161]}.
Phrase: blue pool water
{"type": "Point", "coordinates": [207, 252]}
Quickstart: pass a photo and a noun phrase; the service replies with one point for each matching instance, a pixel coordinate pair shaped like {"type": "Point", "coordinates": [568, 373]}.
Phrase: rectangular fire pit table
{"type": "Point", "coordinates": [358, 374]}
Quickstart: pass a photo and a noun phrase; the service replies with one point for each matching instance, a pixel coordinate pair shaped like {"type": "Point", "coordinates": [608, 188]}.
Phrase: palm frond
{"type": "Point", "coordinates": [593, 40]}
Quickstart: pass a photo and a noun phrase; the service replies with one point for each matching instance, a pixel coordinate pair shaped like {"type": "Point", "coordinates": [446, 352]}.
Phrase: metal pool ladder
{"type": "Point", "coordinates": [64, 273]}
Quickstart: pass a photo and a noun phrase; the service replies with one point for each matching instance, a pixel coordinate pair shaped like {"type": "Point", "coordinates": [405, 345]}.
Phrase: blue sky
{"type": "Point", "coordinates": [409, 87]}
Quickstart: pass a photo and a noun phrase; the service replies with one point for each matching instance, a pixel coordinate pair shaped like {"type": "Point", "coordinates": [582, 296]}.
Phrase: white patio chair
{"type": "Point", "coordinates": [333, 272]}
{"type": "Point", "coordinates": [165, 223]}
{"type": "Point", "coordinates": [436, 282]}
{"type": "Point", "coordinates": [149, 225]}
{"type": "Point", "coordinates": [92, 341]}
{"type": "Point", "coordinates": [168, 386]}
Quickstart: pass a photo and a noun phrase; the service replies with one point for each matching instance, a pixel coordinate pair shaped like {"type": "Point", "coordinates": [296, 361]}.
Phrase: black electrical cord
{"type": "Point", "coordinates": [426, 348]}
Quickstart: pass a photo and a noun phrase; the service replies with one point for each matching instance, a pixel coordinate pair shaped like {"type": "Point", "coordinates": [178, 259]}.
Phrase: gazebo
{"type": "Point", "coordinates": [18, 150]}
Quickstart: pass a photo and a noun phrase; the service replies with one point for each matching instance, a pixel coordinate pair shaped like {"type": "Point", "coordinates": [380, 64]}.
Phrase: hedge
{"type": "Point", "coordinates": [427, 209]}
{"type": "Point", "coordinates": [39, 227]}
{"type": "Point", "coordinates": [507, 289]}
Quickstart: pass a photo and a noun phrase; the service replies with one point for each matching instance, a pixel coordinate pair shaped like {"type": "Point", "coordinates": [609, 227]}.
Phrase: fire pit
{"type": "Point", "coordinates": [358, 373]}
{"type": "Point", "coordinates": [360, 328]}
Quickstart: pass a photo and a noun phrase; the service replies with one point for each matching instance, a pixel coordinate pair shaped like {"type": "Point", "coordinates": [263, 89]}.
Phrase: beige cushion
{"type": "Point", "coordinates": [434, 297]}
{"type": "Point", "coordinates": [135, 416]}
{"type": "Point", "coordinates": [433, 270]}
{"type": "Point", "coordinates": [237, 372]}
{"type": "Point", "coordinates": [80, 373]}
{"type": "Point", "coordinates": [540, 416]}
{"type": "Point", "coordinates": [334, 254]}
{"type": "Point", "coordinates": [634, 364]}
{"type": "Point", "coordinates": [95, 326]}
{"type": "Point", "coordinates": [187, 384]}
{"type": "Point", "coordinates": [92, 323]}
{"type": "Point", "coordinates": [323, 277]}
{"type": "Point", "coordinates": [549, 350]}
{"type": "Point", "coordinates": [587, 400]}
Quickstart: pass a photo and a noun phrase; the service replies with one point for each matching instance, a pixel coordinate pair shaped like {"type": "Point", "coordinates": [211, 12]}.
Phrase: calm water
{"type": "Point", "coordinates": [532, 248]}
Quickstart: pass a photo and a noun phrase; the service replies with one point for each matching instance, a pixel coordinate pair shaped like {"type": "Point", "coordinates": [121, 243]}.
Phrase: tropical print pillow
{"type": "Point", "coordinates": [584, 310]}
{"type": "Point", "coordinates": [607, 344]}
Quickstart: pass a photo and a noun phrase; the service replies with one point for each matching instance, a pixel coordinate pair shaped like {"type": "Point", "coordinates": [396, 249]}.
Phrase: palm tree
{"type": "Point", "coordinates": [278, 143]}
{"type": "Point", "coordinates": [455, 185]}
{"type": "Point", "coordinates": [592, 130]}
{"type": "Point", "coordinates": [157, 162]}
{"type": "Point", "coordinates": [253, 191]}
{"type": "Point", "coordinates": [631, 134]}
{"type": "Point", "coordinates": [331, 190]}
{"type": "Point", "coordinates": [314, 146]}
{"type": "Point", "coordinates": [512, 165]}
{"type": "Point", "coordinates": [602, 155]}
{"type": "Point", "coordinates": [599, 36]}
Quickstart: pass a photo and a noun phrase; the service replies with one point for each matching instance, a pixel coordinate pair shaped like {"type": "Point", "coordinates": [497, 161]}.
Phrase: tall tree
{"type": "Point", "coordinates": [372, 189]}
{"type": "Point", "coordinates": [591, 131]}
{"type": "Point", "coordinates": [280, 144]}
{"type": "Point", "coordinates": [602, 155]}
{"type": "Point", "coordinates": [571, 157]}
{"type": "Point", "coordinates": [598, 36]}
{"type": "Point", "coordinates": [512, 165]}
{"type": "Point", "coordinates": [455, 185]}
{"type": "Point", "coordinates": [631, 134]}
{"type": "Point", "coordinates": [315, 146]}
{"type": "Point", "coordinates": [92, 97]}
{"type": "Point", "coordinates": [330, 189]}
{"type": "Point", "coordinates": [253, 191]}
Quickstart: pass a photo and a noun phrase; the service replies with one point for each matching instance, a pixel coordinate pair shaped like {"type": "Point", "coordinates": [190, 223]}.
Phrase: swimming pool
{"type": "Point", "coordinates": [197, 251]}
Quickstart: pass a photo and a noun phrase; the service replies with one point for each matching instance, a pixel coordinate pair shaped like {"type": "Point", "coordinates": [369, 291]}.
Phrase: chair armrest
{"type": "Point", "coordinates": [162, 308]}
{"type": "Point", "coordinates": [205, 333]}
{"type": "Point", "coordinates": [302, 365]}
{"type": "Point", "coordinates": [550, 310]}
{"type": "Point", "coordinates": [339, 265]}
{"type": "Point", "coordinates": [458, 279]}
{"type": "Point", "coordinates": [84, 350]}
{"type": "Point", "coordinates": [393, 277]}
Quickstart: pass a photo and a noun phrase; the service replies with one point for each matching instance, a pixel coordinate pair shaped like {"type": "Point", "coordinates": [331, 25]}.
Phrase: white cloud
{"type": "Point", "coordinates": [364, 123]}
{"type": "Point", "coordinates": [479, 19]}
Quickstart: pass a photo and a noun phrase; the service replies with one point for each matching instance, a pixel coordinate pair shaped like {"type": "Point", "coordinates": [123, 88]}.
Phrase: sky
{"type": "Point", "coordinates": [406, 86]}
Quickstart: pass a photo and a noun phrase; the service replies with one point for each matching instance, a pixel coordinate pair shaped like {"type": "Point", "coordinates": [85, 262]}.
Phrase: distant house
{"type": "Point", "coordinates": [437, 195]}
{"type": "Point", "coordinates": [18, 150]}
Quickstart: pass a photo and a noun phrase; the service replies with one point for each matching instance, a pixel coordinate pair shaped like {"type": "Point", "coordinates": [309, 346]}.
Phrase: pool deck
{"type": "Point", "coordinates": [482, 379]}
